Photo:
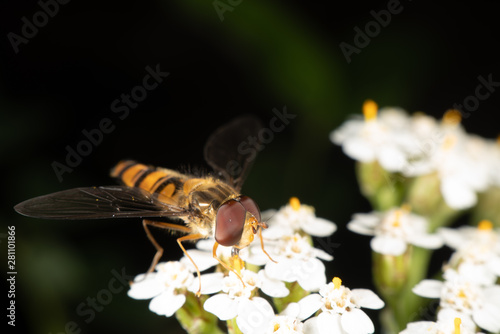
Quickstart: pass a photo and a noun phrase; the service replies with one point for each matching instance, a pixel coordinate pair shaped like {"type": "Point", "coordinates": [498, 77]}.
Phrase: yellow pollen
{"type": "Point", "coordinates": [462, 294]}
{"type": "Point", "coordinates": [276, 327]}
{"type": "Point", "coordinates": [485, 225]}
{"type": "Point", "coordinates": [457, 322]}
{"type": "Point", "coordinates": [449, 142]}
{"type": "Point", "coordinates": [237, 263]}
{"type": "Point", "coordinates": [294, 203]}
{"type": "Point", "coordinates": [370, 109]}
{"type": "Point", "coordinates": [452, 117]}
{"type": "Point", "coordinates": [336, 282]}
{"type": "Point", "coordinates": [397, 219]}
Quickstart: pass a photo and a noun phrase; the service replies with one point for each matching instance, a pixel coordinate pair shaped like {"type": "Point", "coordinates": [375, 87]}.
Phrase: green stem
{"type": "Point", "coordinates": [232, 327]}
{"type": "Point", "coordinates": [296, 294]}
{"type": "Point", "coordinates": [194, 319]}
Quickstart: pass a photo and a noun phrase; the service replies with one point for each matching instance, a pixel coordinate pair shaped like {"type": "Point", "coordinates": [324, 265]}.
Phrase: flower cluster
{"type": "Point", "coordinates": [419, 174]}
{"type": "Point", "coordinates": [292, 279]}
{"type": "Point", "coordinates": [393, 230]}
{"type": "Point", "coordinates": [416, 145]}
{"type": "Point", "coordinates": [469, 291]}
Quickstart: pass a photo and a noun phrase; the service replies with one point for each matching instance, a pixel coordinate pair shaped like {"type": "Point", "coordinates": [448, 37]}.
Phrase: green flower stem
{"type": "Point", "coordinates": [232, 327]}
{"type": "Point", "coordinates": [194, 319]}
{"type": "Point", "coordinates": [384, 190]}
{"type": "Point", "coordinates": [395, 277]}
{"type": "Point", "coordinates": [296, 294]}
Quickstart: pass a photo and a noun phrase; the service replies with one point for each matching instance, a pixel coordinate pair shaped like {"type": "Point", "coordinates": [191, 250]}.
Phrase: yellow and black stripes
{"type": "Point", "coordinates": [161, 181]}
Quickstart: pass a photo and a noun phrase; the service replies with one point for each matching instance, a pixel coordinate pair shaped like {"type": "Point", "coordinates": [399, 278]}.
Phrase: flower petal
{"type": "Point", "coordinates": [167, 303]}
{"type": "Point", "coordinates": [210, 283]}
{"type": "Point", "coordinates": [324, 323]}
{"type": "Point", "coordinates": [319, 227]}
{"type": "Point", "coordinates": [203, 260]}
{"type": "Point", "coordinates": [356, 322]}
{"type": "Point", "coordinates": [272, 287]}
{"type": "Point", "coordinates": [254, 315]}
{"type": "Point", "coordinates": [222, 306]}
{"type": "Point", "coordinates": [145, 287]}
{"type": "Point", "coordinates": [367, 298]}
{"type": "Point", "coordinates": [429, 241]}
{"type": "Point", "coordinates": [428, 288]}
{"type": "Point", "coordinates": [308, 305]}
{"type": "Point", "coordinates": [388, 245]}
{"type": "Point", "coordinates": [487, 317]}
{"type": "Point", "coordinates": [311, 276]}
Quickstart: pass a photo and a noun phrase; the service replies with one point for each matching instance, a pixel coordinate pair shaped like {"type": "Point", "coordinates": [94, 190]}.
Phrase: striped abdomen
{"type": "Point", "coordinates": [165, 182]}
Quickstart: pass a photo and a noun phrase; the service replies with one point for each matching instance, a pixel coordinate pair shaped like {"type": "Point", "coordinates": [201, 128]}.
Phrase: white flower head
{"type": "Point", "coordinates": [238, 291]}
{"type": "Point", "coordinates": [296, 217]}
{"type": "Point", "coordinates": [394, 230]}
{"type": "Point", "coordinates": [297, 260]}
{"type": "Point", "coordinates": [477, 253]}
{"type": "Point", "coordinates": [379, 136]}
{"type": "Point", "coordinates": [168, 285]}
{"type": "Point", "coordinates": [341, 310]}
{"type": "Point", "coordinates": [448, 326]}
{"type": "Point", "coordinates": [458, 294]}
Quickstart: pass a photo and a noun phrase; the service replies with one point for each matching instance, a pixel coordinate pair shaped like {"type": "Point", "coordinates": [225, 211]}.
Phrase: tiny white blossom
{"type": "Point", "coordinates": [341, 310]}
{"type": "Point", "coordinates": [394, 230]}
{"type": "Point", "coordinates": [296, 217]}
{"type": "Point", "coordinates": [477, 253]}
{"type": "Point", "coordinates": [456, 293]}
{"type": "Point", "coordinates": [168, 285]}
{"type": "Point", "coordinates": [447, 326]}
{"type": "Point", "coordinates": [297, 260]}
{"type": "Point", "coordinates": [383, 137]}
{"type": "Point", "coordinates": [252, 313]}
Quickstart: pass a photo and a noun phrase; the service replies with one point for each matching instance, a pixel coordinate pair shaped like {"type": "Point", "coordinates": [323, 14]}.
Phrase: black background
{"type": "Point", "coordinates": [263, 55]}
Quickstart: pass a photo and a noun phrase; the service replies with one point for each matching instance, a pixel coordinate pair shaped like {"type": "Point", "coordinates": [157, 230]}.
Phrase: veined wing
{"type": "Point", "coordinates": [97, 203]}
{"type": "Point", "coordinates": [232, 148]}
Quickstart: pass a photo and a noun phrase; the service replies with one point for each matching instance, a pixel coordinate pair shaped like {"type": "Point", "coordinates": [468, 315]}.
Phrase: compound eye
{"type": "Point", "coordinates": [229, 223]}
{"type": "Point", "coordinates": [250, 205]}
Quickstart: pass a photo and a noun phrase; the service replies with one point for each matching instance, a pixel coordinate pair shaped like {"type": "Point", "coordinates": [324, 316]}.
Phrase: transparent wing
{"type": "Point", "coordinates": [98, 202]}
{"type": "Point", "coordinates": [231, 149]}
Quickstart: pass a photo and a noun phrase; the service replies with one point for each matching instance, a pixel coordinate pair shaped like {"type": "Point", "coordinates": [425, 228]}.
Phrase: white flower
{"type": "Point", "coordinates": [252, 313]}
{"type": "Point", "coordinates": [169, 284]}
{"type": "Point", "coordinates": [383, 138]}
{"type": "Point", "coordinates": [460, 160]}
{"type": "Point", "coordinates": [341, 311]}
{"type": "Point", "coordinates": [393, 230]}
{"type": "Point", "coordinates": [456, 293]}
{"type": "Point", "coordinates": [296, 217]}
{"type": "Point", "coordinates": [477, 253]}
{"type": "Point", "coordinates": [297, 260]}
{"type": "Point", "coordinates": [448, 326]}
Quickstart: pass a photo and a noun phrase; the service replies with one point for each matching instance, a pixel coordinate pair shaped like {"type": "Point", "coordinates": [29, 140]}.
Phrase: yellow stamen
{"type": "Point", "coordinates": [485, 225]}
{"type": "Point", "coordinates": [276, 327]}
{"type": "Point", "coordinates": [370, 109]}
{"type": "Point", "coordinates": [397, 219]}
{"type": "Point", "coordinates": [457, 322]}
{"type": "Point", "coordinates": [337, 282]}
{"type": "Point", "coordinates": [449, 142]}
{"type": "Point", "coordinates": [452, 117]}
{"type": "Point", "coordinates": [237, 263]}
{"type": "Point", "coordinates": [295, 203]}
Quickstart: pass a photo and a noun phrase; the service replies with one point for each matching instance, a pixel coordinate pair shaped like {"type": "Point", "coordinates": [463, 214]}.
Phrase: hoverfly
{"type": "Point", "coordinates": [210, 206]}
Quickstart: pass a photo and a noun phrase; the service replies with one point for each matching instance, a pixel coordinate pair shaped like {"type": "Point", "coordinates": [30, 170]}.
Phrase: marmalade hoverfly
{"type": "Point", "coordinates": [210, 206]}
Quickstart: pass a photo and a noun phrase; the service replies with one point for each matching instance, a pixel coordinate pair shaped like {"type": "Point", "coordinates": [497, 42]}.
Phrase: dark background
{"type": "Point", "coordinates": [263, 55]}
